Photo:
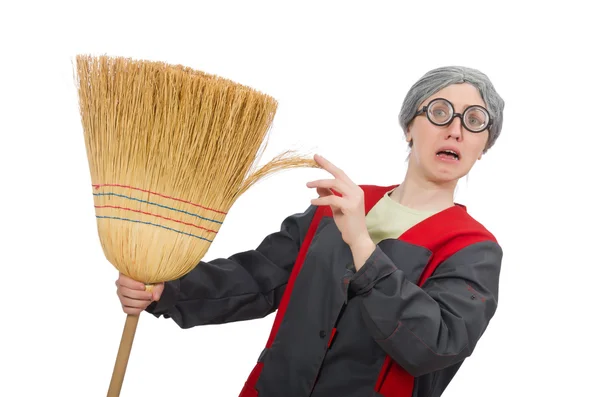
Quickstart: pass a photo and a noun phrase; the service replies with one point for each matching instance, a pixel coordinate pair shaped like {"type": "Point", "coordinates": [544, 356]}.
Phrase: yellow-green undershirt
{"type": "Point", "coordinates": [390, 219]}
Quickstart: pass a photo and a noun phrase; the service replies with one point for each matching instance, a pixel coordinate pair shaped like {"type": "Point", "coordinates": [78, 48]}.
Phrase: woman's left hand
{"type": "Point", "coordinates": [349, 209]}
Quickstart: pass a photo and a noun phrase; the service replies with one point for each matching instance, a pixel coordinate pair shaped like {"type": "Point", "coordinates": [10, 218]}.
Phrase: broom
{"type": "Point", "coordinates": [170, 149]}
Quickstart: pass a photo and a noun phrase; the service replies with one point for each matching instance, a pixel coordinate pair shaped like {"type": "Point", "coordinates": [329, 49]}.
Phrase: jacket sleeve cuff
{"type": "Point", "coordinates": [167, 300]}
{"type": "Point", "coordinates": [377, 266]}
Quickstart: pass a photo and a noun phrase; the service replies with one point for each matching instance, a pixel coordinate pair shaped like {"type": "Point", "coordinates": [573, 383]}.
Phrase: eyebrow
{"type": "Point", "coordinates": [473, 104]}
{"type": "Point", "coordinates": [455, 109]}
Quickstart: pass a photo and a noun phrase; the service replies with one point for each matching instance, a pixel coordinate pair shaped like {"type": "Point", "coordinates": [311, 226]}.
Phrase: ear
{"type": "Point", "coordinates": [408, 136]}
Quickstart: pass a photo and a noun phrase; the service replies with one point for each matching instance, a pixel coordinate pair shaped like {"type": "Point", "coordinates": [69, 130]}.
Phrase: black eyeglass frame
{"type": "Point", "coordinates": [459, 115]}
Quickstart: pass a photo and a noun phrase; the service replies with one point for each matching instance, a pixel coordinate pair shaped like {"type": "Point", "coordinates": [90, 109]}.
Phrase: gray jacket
{"type": "Point", "coordinates": [379, 311]}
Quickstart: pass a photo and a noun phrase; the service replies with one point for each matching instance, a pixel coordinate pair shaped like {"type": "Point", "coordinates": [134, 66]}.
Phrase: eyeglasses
{"type": "Point", "coordinates": [440, 112]}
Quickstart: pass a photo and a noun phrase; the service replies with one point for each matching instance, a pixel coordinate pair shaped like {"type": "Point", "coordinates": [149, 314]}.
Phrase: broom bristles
{"type": "Point", "coordinates": [170, 149]}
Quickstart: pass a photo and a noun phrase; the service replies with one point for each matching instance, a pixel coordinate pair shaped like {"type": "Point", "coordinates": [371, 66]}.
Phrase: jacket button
{"type": "Point", "coordinates": [322, 334]}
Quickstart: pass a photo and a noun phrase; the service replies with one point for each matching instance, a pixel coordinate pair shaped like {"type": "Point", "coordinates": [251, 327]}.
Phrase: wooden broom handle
{"type": "Point", "coordinates": [123, 355]}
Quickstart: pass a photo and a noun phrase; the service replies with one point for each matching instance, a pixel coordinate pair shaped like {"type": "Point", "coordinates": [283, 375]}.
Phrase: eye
{"type": "Point", "coordinates": [439, 113]}
{"type": "Point", "coordinates": [476, 118]}
{"type": "Point", "coordinates": [475, 122]}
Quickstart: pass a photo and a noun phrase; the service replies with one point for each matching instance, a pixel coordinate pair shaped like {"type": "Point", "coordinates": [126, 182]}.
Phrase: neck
{"type": "Point", "coordinates": [419, 193]}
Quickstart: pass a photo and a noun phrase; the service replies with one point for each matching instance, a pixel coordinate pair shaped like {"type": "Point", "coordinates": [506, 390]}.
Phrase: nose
{"type": "Point", "coordinates": [455, 129]}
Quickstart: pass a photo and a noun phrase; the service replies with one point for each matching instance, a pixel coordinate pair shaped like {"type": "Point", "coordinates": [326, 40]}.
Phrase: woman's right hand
{"type": "Point", "coordinates": [133, 295]}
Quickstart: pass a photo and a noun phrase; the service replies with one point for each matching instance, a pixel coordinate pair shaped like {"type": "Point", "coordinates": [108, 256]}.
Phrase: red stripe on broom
{"type": "Point", "coordinates": [158, 194]}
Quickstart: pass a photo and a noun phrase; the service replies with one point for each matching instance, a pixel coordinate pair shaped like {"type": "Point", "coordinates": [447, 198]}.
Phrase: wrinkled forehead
{"type": "Point", "coordinates": [460, 95]}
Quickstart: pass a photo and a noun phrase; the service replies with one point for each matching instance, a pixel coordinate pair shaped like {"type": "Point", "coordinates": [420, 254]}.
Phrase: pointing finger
{"type": "Point", "coordinates": [330, 167]}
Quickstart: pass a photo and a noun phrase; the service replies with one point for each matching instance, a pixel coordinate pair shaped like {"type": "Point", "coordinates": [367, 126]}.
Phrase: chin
{"type": "Point", "coordinates": [444, 180]}
{"type": "Point", "coordinates": [444, 176]}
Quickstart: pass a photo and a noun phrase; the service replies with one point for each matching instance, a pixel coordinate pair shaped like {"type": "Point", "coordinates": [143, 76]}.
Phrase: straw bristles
{"type": "Point", "coordinates": [170, 149]}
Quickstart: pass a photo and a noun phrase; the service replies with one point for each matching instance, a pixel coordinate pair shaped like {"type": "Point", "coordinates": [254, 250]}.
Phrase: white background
{"type": "Point", "coordinates": [340, 71]}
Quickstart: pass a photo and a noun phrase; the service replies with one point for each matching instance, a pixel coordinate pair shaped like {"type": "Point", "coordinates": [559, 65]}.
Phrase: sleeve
{"type": "Point", "coordinates": [247, 285]}
{"type": "Point", "coordinates": [425, 329]}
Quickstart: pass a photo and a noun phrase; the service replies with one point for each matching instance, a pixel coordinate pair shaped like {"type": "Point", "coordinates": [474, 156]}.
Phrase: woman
{"type": "Point", "coordinates": [381, 291]}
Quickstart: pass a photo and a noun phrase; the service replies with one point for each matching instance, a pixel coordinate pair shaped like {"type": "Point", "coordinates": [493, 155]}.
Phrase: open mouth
{"type": "Point", "coordinates": [448, 154]}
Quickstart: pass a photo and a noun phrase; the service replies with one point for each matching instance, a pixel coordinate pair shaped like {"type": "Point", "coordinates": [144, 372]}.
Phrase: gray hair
{"type": "Point", "coordinates": [437, 79]}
